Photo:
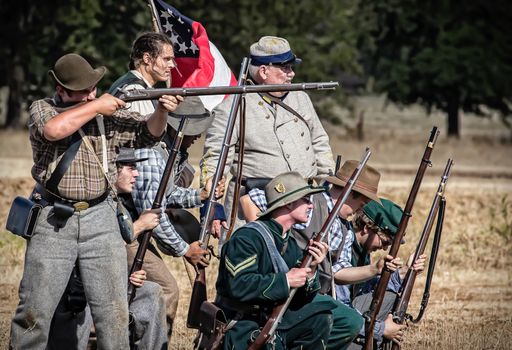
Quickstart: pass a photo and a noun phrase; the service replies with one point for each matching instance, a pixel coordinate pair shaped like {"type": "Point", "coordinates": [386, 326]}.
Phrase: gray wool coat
{"type": "Point", "coordinates": [276, 141]}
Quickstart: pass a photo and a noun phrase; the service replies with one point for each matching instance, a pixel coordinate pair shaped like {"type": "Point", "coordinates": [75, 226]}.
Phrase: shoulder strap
{"type": "Point", "coordinates": [280, 102]}
{"type": "Point", "coordinates": [64, 163]}
{"type": "Point", "coordinates": [130, 79]}
{"type": "Point", "coordinates": [278, 262]}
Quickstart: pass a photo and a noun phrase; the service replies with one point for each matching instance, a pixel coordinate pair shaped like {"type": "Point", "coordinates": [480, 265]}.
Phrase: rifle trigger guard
{"type": "Point", "coordinates": [211, 252]}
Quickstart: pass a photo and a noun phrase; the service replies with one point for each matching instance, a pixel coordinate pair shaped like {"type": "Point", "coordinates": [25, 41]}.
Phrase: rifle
{"type": "Point", "coordinates": [268, 331]}
{"type": "Point", "coordinates": [199, 288]}
{"type": "Point", "coordinates": [378, 295]}
{"type": "Point", "coordinates": [399, 310]}
{"type": "Point", "coordinates": [138, 261]}
{"type": "Point", "coordinates": [238, 176]}
{"type": "Point", "coordinates": [155, 94]}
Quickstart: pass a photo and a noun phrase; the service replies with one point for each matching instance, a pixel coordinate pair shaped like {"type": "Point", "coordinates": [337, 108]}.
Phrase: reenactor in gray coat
{"type": "Point", "coordinates": [277, 139]}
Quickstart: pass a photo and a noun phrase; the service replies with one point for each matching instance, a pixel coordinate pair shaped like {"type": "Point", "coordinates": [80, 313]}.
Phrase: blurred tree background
{"type": "Point", "coordinates": [438, 53]}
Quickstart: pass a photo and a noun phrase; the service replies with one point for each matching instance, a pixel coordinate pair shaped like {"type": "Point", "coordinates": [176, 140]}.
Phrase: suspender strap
{"type": "Point", "coordinates": [278, 262]}
{"type": "Point", "coordinates": [64, 163]}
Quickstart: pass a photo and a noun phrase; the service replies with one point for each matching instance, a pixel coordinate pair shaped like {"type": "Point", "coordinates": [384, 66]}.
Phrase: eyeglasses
{"type": "Point", "coordinates": [287, 67]}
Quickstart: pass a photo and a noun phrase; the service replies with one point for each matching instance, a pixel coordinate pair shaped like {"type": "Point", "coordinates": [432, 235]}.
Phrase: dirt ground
{"type": "Point", "coordinates": [471, 297]}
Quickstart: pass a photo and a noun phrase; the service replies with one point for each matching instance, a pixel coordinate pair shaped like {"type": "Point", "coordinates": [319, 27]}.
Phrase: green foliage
{"type": "Point", "coordinates": [38, 33]}
{"type": "Point", "coordinates": [323, 33]}
{"type": "Point", "coordinates": [441, 54]}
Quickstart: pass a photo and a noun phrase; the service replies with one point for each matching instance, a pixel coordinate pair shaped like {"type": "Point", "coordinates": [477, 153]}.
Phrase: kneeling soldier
{"type": "Point", "coordinates": [259, 266]}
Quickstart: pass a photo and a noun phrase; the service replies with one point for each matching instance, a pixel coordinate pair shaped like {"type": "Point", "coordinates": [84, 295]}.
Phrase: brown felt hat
{"type": "Point", "coordinates": [366, 184]}
{"type": "Point", "coordinates": [74, 73]}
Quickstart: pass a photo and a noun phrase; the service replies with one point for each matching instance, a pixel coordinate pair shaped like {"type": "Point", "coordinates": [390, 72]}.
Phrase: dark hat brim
{"type": "Point", "coordinates": [287, 199]}
{"type": "Point", "coordinates": [196, 123]}
{"type": "Point", "coordinates": [91, 80]}
{"type": "Point", "coordinates": [198, 117]}
{"type": "Point", "coordinates": [185, 223]}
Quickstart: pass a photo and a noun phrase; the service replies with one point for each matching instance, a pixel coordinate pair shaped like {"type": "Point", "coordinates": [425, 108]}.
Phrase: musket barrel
{"type": "Point", "coordinates": [154, 94]}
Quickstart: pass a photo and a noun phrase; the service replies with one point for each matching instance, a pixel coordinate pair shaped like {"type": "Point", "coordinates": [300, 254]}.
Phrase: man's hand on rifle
{"type": "Point", "coordinates": [137, 278]}
{"type": "Point", "coordinates": [297, 276]}
{"type": "Point", "coordinates": [391, 263]}
{"type": "Point", "coordinates": [196, 255]}
{"type": "Point", "coordinates": [169, 103]}
{"type": "Point", "coordinates": [148, 220]}
{"type": "Point", "coordinates": [107, 104]}
{"type": "Point", "coordinates": [418, 266]}
{"type": "Point", "coordinates": [393, 331]}
{"type": "Point", "coordinates": [318, 251]}
{"type": "Point", "coordinates": [217, 226]}
{"type": "Point", "coordinates": [219, 190]}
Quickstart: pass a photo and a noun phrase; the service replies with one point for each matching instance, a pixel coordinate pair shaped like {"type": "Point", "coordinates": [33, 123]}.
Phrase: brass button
{"type": "Point", "coordinates": [282, 142]}
{"type": "Point", "coordinates": [267, 116]}
{"type": "Point", "coordinates": [296, 120]}
{"type": "Point", "coordinates": [302, 133]}
{"type": "Point", "coordinates": [260, 103]}
{"type": "Point", "coordinates": [307, 148]}
{"type": "Point", "coordinates": [287, 156]}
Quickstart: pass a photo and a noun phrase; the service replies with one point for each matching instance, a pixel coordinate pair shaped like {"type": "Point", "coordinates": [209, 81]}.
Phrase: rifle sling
{"type": "Point", "coordinates": [64, 164]}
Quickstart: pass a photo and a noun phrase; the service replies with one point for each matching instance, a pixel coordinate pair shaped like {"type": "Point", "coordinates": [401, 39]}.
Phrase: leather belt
{"type": "Point", "coordinates": [236, 305]}
{"type": "Point", "coordinates": [78, 205]}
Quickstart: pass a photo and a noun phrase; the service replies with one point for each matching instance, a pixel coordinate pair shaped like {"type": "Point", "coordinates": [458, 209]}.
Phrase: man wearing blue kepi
{"type": "Point", "coordinates": [261, 263]}
{"type": "Point", "coordinates": [283, 131]}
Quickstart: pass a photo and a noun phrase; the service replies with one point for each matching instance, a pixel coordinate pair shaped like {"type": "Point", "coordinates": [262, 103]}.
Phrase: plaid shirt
{"type": "Point", "coordinates": [144, 193]}
{"type": "Point", "coordinates": [84, 179]}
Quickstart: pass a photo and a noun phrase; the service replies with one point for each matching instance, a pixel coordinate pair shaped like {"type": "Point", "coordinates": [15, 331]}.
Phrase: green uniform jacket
{"type": "Point", "coordinates": [246, 275]}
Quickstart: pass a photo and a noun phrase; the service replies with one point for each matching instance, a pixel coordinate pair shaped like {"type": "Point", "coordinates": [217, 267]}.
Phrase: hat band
{"type": "Point", "coordinates": [286, 196]}
{"type": "Point", "coordinates": [280, 58]}
{"type": "Point", "coordinates": [360, 185]}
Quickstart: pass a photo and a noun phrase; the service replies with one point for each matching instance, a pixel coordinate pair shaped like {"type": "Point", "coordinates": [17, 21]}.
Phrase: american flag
{"type": "Point", "coordinates": [199, 62]}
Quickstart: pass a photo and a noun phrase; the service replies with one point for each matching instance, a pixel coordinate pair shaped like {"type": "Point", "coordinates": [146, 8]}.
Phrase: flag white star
{"type": "Point", "coordinates": [165, 14]}
{"type": "Point", "coordinates": [180, 20]}
{"type": "Point", "coordinates": [183, 47]}
{"type": "Point", "coordinates": [174, 37]}
{"type": "Point", "coordinates": [168, 27]}
{"type": "Point", "coordinates": [193, 47]}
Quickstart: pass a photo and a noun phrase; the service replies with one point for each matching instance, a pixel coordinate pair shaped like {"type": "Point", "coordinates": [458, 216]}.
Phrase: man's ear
{"type": "Point", "coordinates": [146, 58]}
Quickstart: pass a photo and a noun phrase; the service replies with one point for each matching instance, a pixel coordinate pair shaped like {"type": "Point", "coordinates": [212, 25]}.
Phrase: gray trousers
{"type": "Point", "coordinates": [362, 304]}
{"type": "Point", "coordinates": [92, 238]}
{"type": "Point", "coordinates": [71, 331]}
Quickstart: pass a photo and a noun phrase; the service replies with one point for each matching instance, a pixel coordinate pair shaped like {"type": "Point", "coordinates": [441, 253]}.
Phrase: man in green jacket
{"type": "Point", "coordinates": [259, 267]}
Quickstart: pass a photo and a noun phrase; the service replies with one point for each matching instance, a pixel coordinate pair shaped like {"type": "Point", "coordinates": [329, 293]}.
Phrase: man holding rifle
{"type": "Point", "coordinates": [283, 131]}
{"type": "Point", "coordinates": [259, 266]}
{"type": "Point", "coordinates": [78, 221]}
{"type": "Point", "coordinates": [374, 228]}
{"type": "Point", "coordinates": [151, 61]}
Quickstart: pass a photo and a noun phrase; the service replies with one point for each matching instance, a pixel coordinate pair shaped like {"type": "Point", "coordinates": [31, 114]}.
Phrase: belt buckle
{"type": "Point", "coordinates": [79, 206]}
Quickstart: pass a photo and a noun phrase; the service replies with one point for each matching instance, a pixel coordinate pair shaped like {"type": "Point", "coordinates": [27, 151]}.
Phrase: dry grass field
{"type": "Point", "coordinates": [471, 297]}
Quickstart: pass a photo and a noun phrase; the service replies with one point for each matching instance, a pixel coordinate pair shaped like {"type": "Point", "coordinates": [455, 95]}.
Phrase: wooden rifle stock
{"type": "Point", "coordinates": [199, 294]}
{"type": "Point", "coordinates": [138, 261]}
{"type": "Point", "coordinates": [155, 94]}
{"type": "Point", "coordinates": [378, 295]}
{"type": "Point", "coordinates": [399, 310]}
{"type": "Point", "coordinates": [268, 331]}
